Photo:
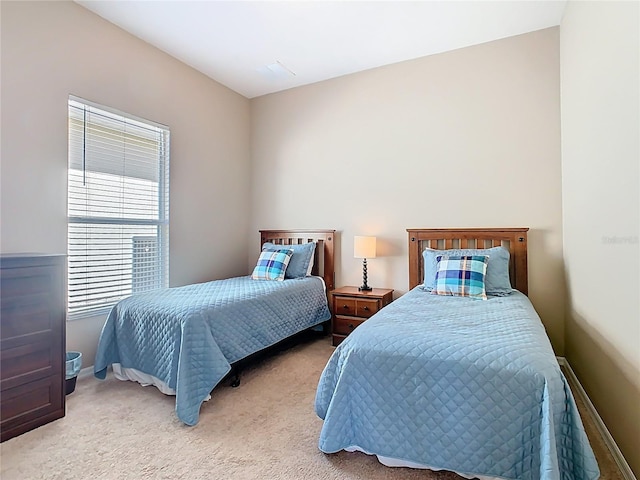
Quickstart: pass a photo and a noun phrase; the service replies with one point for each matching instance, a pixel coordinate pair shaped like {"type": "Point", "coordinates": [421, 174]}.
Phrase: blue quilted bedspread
{"type": "Point", "coordinates": [188, 336]}
{"type": "Point", "coordinates": [458, 384]}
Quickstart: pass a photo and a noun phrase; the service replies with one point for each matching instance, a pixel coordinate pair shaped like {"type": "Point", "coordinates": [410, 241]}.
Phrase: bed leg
{"type": "Point", "coordinates": [326, 328]}
{"type": "Point", "coordinates": [235, 377]}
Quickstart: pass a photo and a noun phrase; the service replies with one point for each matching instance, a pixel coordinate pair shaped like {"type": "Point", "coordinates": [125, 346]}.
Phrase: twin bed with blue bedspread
{"type": "Point", "coordinates": [186, 338]}
{"type": "Point", "coordinates": [451, 382]}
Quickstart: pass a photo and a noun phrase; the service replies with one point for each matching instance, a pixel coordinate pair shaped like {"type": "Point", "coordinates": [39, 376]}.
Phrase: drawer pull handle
{"type": "Point", "coordinates": [366, 308]}
{"type": "Point", "coordinates": [351, 326]}
{"type": "Point", "coordinates": [346, 306]}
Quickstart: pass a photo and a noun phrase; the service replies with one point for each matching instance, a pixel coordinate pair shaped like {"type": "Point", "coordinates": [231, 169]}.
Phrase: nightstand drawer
{"type": "Point", "coordinates": [344, 326]}
{"type": "Point", "coordinates": [359, 308]}
{"type": "Point", "coordinates": [366, 308]}
{"type": "Point", "coordinates": [344, 306]}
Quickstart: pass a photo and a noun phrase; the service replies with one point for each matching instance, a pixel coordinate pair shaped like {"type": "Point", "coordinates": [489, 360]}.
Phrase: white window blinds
{"type": "Point", "coordinates": [118, 207]}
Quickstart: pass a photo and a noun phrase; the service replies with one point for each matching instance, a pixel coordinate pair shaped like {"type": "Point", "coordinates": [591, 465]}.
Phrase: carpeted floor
{"type": "Point", "coordinates": [266, 428]}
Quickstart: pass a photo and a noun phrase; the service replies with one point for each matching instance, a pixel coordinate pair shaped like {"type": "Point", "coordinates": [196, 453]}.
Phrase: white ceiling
{"type": "Point", "coordinates": [234, 42]}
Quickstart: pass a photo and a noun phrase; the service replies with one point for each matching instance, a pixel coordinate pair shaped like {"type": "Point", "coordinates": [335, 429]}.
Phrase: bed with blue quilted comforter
{"type": "Point", "coordinates": [187, 337]}
{"type": "Point", "coordinates": [458, 384]}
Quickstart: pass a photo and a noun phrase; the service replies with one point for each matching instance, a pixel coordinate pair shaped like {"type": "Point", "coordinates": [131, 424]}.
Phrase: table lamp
{"type": "Point", "coordinates": [364, 247]}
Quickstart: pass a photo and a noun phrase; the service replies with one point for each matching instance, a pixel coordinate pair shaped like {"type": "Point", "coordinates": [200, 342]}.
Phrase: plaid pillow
{"type": "Point", "coordinates": [272, 264]}
{"type": "Point", "coordinates": [461, 275]}
{"type": "Point", "coordinates": [301, 262]}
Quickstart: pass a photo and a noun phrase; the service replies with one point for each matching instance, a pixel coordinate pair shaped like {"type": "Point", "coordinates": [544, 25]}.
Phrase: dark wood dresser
{"type": "Point", "coordinates": [32, 341]}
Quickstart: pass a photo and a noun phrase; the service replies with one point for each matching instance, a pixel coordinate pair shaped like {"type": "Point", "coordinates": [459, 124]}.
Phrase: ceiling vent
{"type": "Point", "coordinates": [276, 71]}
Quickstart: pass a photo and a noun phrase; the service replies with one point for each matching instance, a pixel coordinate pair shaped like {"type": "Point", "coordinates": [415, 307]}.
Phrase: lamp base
{"type": "Point", "coordinates": [365, 286]}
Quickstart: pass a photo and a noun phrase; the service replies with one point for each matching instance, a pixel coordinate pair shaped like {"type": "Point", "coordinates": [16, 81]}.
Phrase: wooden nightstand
{"type": "Point", "coordinates": [352, 307]}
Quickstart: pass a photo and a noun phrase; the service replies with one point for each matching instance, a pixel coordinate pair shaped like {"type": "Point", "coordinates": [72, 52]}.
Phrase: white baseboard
{"type": "Point", "coordinates": [627, 473]}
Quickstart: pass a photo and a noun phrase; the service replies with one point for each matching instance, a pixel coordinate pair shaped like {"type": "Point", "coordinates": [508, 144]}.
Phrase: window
{"type": "Point", "coordinates": [118, 207]}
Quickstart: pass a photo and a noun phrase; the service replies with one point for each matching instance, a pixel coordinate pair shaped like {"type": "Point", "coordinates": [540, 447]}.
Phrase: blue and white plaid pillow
{"type": "Point", "coordinates": [272, 264]}
{"type": "Point", "coordinates": [301, 261]}
{"type": "Point", "coordinates": [461, 275]}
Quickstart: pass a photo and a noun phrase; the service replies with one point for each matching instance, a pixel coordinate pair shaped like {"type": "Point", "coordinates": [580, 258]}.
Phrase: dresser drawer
{"type": "Point", "coordinates": [344, 326]}
{"type": "Point", "coordinates": [344, 306]}
{"type": "Point", "coordinates": [355, 307]}
{"type": "Point", "coordinates": [25, 315]}
{"type": "Point", "coordinates": [366, 308]}
{"type": "Point", "coordinates": [27, 405]}
{"type": "Point", "coordinates": [29, 361]}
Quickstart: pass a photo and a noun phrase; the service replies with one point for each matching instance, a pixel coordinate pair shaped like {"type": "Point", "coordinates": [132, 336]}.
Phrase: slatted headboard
{"type": "Point", "coordinates": [513, 239]}
{"type": "Point", "coordinates": [323, 264]}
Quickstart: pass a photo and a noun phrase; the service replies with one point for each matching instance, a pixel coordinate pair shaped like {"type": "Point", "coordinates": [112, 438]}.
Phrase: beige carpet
{"type": "Point", "coordinates": [266, 428]}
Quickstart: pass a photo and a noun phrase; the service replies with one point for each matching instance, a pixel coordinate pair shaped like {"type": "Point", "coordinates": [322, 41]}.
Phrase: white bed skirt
{"type": "Point", "coordinates": [394, 462]}
{"type": "Point", "coordinates": [144, 379]}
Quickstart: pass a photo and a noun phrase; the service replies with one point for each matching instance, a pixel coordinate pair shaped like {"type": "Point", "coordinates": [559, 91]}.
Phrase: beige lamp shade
{"type": "Point", "coordinates": [364, 247]}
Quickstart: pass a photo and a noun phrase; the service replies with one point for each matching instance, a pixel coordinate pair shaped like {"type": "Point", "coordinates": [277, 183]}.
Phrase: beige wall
{"type": "Point", "coordinates": [600, 85]}
{"type": "Point", "coordinates": [469, 138]}
{"type": "Point", "coordinates": [53, 49]}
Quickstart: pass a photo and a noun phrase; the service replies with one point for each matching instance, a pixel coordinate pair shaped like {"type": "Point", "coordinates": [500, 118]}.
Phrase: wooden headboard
{"type": "Point", "coordinates": [513, 239]}
{"type": "Point", "coordinates": [323, 264]}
